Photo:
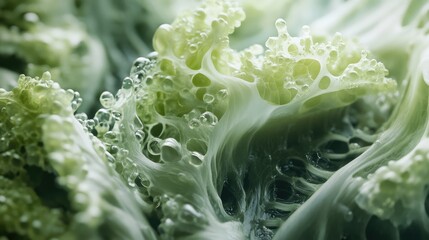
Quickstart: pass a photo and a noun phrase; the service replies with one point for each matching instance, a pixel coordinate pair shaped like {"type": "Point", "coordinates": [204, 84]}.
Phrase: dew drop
{"type": "Point", "coordinates": [46, 75]}
{"type": "Point", "coordinates": [281, 26]}
{"type": "Point", "coordinates": [107, 99]}
{"type": "Point", "coordinates": [141, 62]}
{"type": "Point", "coordinates": [103, 115]}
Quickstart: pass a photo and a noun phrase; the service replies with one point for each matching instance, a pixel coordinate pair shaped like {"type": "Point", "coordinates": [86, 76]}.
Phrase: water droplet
{"type": "Point", "coordinates": [90, 124]}
{"type": "Point", "coordinates": [110, 137]}
{"type": "Point", "coordinates": [81, 117]}
{"type": "Point", "coordinates": [46, 75]}
{"type": "Point", "coordinates": [281, 26]}
{"type": "Point", "coordinates": [116, 115]}
{"type": "Point", "coordinates": [127, 83]}
{"type": "Point", "coordinates": [103, 115]}
{"type": "Point", "coordinates": [107, 99]}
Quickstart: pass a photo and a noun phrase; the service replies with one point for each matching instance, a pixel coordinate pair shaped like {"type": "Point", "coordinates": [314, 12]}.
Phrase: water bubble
{"type": "Point", "coordinates": [141, 62]}
{"type": "Point", "coordinates": [114, 149]}
{"type": "Point", "coordinates": [194, 123]}
{"type": "Point", "coordinates": [208, 98]}
{"type": "Point", "coordinates": [140, 135]}
{"type": "Point", "coordinates": [81, 117]}
{"type": "Point", "coordinates": [168, 84]}
{"type": "Point", "coordinates": [132, 179]}
{"type": "Point", "coordinates": [196, 158]}
{"type": "Point", "coordinates": [149, 80]}
{"type": "Point", "coordinates": [152, 56]}
{"type": "Point", "coordinates": [46, 75]}
{"type": "Point", "coordinates": [107, 99]}
{"type": "Point", "coordinates": [110, 137]}
{"type": "Point", "coordinates": [75, 104]}
{"type": "Point", "coordinates": [193, 48]}
{"type": "Point", "coordinates": [208, 118]}
{"type": "Point", "coordinates": [189, 214]}
{"type": "Point", "coordinates": [171, 150]}
{"type": "Point", "coordinates": [103, 121]}
{"type": "Point", "coordinates": [116, 115]}
{"type": "Point", "coordinates": [144, 181]}
{"type": "Point", "coordinates": [154, 146]}
{"type": "Point", "coordinates": [140, 67]}
{"type": "Point", "coordinates": [122, 153]}
{"type": "Point", "coordinates": [222, 94]}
